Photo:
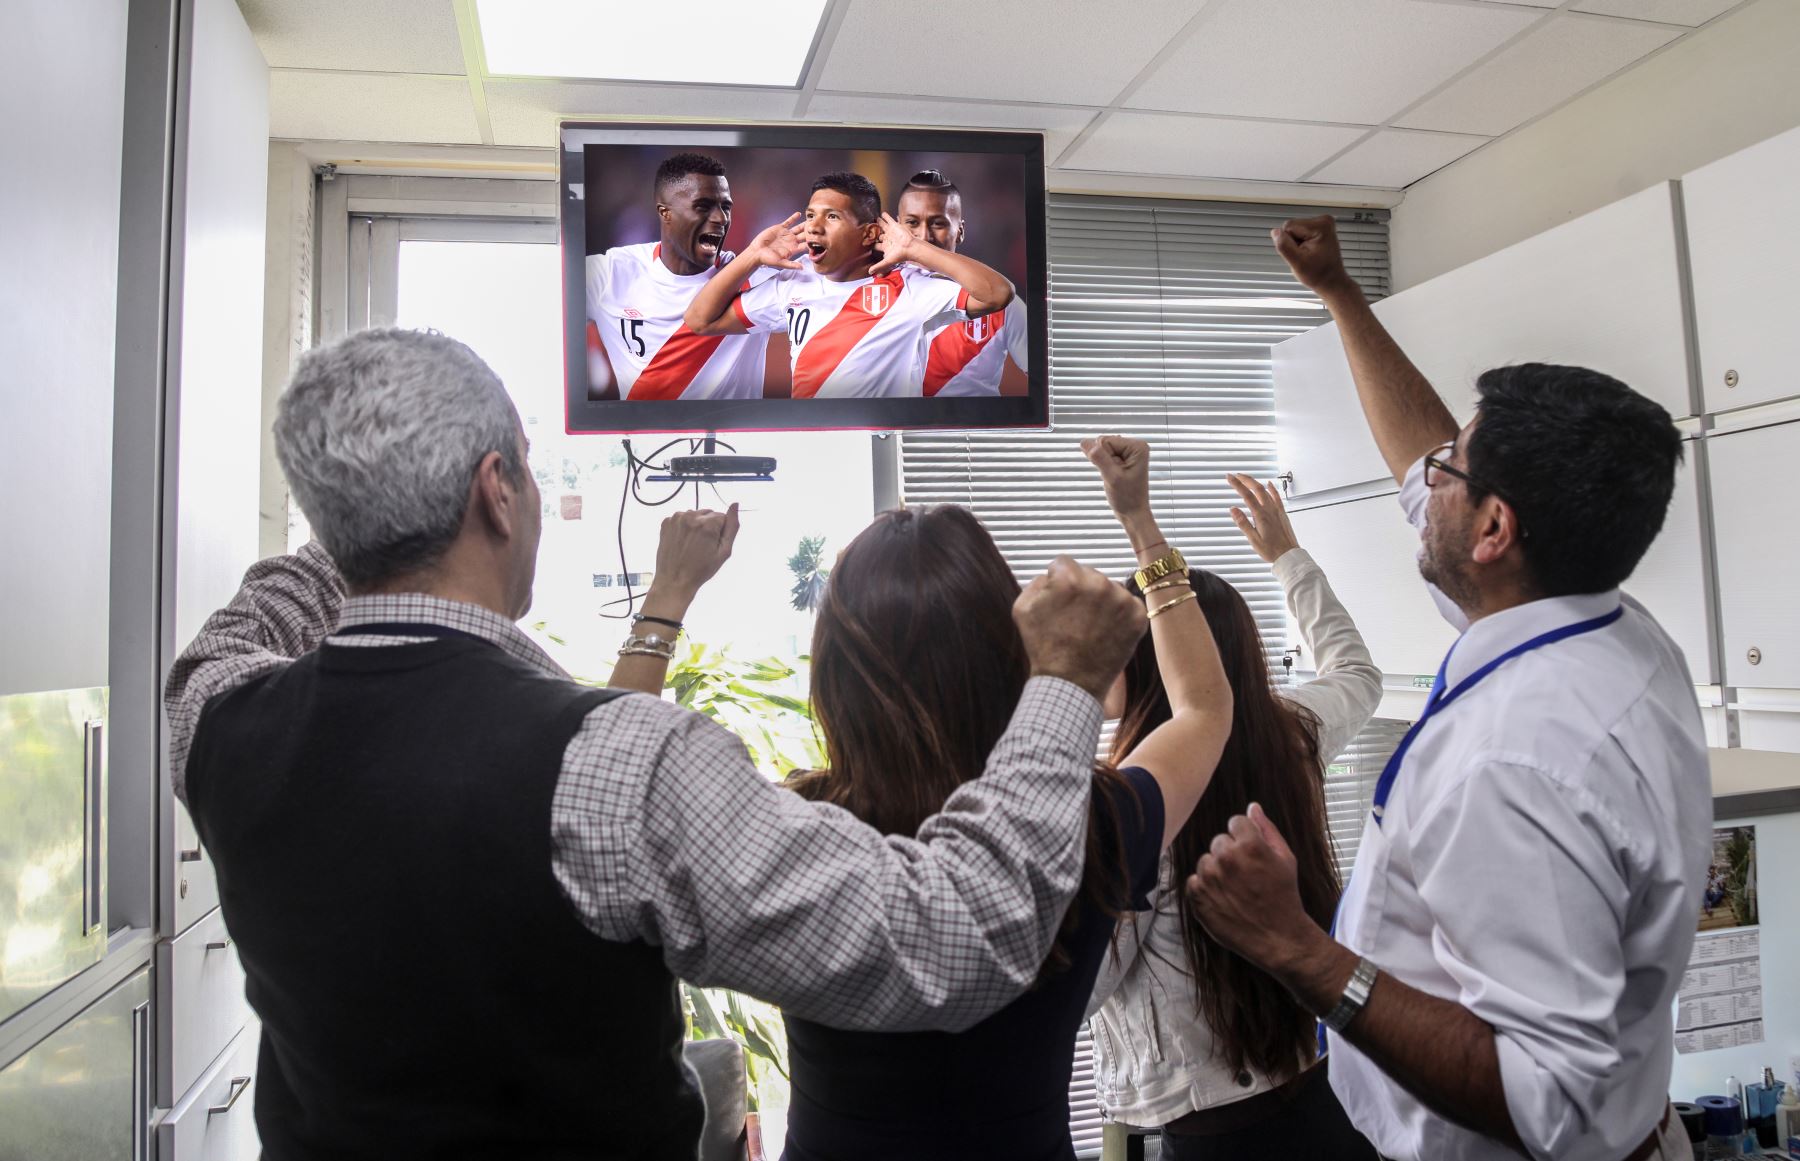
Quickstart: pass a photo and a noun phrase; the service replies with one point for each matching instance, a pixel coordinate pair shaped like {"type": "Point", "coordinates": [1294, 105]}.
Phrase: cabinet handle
{"type": "Point", "coordinates": [189, 856]}
{"type": "Point", "coordinates": [140, 1082]}
{"type": "Point", "coordinates": [239, 1085]}
{"type": "Point", "coordinates": [93, 848]}
{"type": "Point", "coordinates": [219, 945]}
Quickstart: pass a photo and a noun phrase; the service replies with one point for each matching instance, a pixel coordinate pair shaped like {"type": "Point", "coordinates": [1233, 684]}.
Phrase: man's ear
{"type": "Point", "coordinates": [961, 227]}
{"type": "Point", "coordinates": [495, 498]}
{"type": "Point", "coordinates": [662, 212]}
{"type": "Point", "coordinates": [1496, 530]}
{"type": "Point", "coordinates": [871, 234]}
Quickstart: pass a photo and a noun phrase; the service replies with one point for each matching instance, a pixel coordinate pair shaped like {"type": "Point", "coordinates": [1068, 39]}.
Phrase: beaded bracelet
{"type": "Point", "coordinates": [648, 646]}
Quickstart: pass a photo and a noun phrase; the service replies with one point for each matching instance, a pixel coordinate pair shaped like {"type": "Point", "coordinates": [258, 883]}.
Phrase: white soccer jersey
{"type": "Point", "coordinates": [854, 339]}
{"type": "Point", "coordinates": [636, 304]}
{"type": "Point", "coordinates": [968, 358]}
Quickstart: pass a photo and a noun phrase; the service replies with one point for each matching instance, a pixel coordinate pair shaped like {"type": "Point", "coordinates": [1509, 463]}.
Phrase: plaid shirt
{"type": "Point", "coordinates": [664, 831]}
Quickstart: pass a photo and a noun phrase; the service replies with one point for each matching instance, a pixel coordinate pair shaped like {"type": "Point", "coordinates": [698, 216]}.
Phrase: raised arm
{"type": "Point", "coordinates": [748, 886]}
{"type": "Point", "coordinates": [1407, 417]}
{"type": "Point", "coordinates": [694, 546]}
{"type": "Point", "coordinates": [1182, 753]}
{"type": "Point", "coordinates": [989, 290]}
{"type": "Point", "coordinates": [287, 605]}
{"type": "Point", "coordinates": [710, 311]}
{"type": "Point", "coordinates": [1347, 689]}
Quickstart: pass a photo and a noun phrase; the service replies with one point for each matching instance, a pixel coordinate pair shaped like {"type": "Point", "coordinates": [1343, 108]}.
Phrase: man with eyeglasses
{"type": "Point", "coordinates": [1500, 974]}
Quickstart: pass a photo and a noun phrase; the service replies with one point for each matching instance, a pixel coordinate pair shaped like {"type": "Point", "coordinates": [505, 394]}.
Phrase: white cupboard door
{"type": "Point", "coordinates": [1671, 581]}
{"type": "Point", "coordinates": [1370, 554]}
{"type": "Point", "coordinates": [1743, 251]}
{"type": "Point", "coordinates": [1754, 478]}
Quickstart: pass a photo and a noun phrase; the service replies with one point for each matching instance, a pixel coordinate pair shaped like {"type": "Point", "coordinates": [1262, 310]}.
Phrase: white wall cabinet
{"type": "Point", "coordinates": [1671, 579]}
{"type": "Point", "coordinates": [1743, 252]}
{"type": "Point", "coordinates": [1601, 291]}
{"type": "Point", "coordinates": [1369, 552]}
{"type": "Point", "coordinates": [1755, 474]}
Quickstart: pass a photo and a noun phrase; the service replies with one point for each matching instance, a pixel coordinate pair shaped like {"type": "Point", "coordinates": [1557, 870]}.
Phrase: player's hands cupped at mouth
{"type": "Point", "coordinates": [897, 245]}
{"type": "Point", "coordinates": [779, 245]}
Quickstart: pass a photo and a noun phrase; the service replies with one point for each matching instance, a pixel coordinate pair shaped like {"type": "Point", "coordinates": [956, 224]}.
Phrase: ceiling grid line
{"type": "Point", "coordinates": [821, 50]}
{"type": "Point", "coordinates": [468, 32]}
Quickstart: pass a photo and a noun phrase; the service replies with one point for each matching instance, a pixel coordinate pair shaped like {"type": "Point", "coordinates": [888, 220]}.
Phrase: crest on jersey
{"type": "Point", "coordinates": [979, 330]}
{"type": "Point", "coordinates": [877, 297]}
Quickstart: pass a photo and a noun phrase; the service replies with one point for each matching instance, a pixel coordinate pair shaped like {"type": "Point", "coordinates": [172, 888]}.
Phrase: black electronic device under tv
{"type": "Point", "coordinates": [824, 345]}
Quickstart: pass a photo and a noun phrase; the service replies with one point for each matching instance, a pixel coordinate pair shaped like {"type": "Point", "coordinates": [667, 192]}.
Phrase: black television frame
{"type": "Point", "coordinates": [584, 416]}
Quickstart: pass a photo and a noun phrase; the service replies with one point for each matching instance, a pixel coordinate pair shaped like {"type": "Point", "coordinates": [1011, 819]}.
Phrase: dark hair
{"type": "Point", "coordinates": [917, 667]}
{"type": "Point", "coordinates": [681, 165]}
{"type": "Point", "coordinates": [865, 199]}
{"type": "Point", "coordinates": [1271, 757]}
{"type": "Point", "coordinates": [932, 181]}
{"type": "Point", "coordinates": [1587, 463]}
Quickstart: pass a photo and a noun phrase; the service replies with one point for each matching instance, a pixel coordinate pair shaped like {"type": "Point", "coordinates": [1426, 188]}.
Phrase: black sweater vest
{"type": "Point", "coordinates": [380, 821]}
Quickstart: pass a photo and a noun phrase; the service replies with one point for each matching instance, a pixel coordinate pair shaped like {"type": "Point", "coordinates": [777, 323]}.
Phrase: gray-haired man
{"type": "Point", "coordinates": [462, 885]}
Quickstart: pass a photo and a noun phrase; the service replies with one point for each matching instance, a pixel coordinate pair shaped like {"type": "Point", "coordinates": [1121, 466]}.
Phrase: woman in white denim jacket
{"type": "Point", "coordinates": [1225, 1066]}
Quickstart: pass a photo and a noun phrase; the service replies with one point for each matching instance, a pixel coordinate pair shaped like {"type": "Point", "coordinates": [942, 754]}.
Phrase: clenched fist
{"type": "Point", "coordinates": [1078, 625]}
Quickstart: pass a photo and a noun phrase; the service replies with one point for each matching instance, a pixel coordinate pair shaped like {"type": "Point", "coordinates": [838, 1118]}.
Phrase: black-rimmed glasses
{"type": "Point", "coordinates": [1436, 469]}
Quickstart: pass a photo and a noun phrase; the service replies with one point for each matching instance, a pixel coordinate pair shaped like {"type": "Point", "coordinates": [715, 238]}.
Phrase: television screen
{"type": "Point", "coordinates": [770, 278]}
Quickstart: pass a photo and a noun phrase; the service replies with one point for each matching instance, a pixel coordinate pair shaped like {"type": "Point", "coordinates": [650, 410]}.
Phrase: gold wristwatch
{"type": "Point", "coordinates": [1162, 566]}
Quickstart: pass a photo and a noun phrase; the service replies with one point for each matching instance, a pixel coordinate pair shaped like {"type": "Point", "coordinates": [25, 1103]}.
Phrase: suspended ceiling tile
{"type": "Point", "coordinates": [1515, 3]}
{"type": "Point", "coordinates": [379, 36]}
{"type": "Point", "coordinates": [1689, 12]}
{"type": "Point", "coordinates": [1058, 124]}
{"type": "Point", "coordinates": [1062, 51]}
{"type": "Point", "coordinates": [1551, 64]}
{"type": "Point", "coordinates": [1395, 158]}
{"type": "Point", "coordinates": [1326, 60]}
{"type": "Point", "coordinates": [1184, 146]}
{"type": "Point", "coordinates": [371, 107]}
{"type": "Point", "coordinates": [526, 112]}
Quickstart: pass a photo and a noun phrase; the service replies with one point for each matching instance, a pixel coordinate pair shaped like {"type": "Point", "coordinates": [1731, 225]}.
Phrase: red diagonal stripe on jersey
{"type": "Point", "coordinates": [826, 350]}
{"type": "Point", "coordinates": [953, 349]}
{"type": "Point", "coordinates": [675, 364]}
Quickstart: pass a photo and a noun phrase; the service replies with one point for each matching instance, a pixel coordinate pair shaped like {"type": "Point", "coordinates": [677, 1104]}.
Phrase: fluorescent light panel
{"type": "Point", "coordinates": [716, 42]}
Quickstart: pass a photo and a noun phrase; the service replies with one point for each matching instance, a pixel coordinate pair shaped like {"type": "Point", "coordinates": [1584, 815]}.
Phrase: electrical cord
{"type": "Point", "coordinates": [634, 466]}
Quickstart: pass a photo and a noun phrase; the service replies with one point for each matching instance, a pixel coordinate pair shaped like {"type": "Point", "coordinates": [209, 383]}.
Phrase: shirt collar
{"type": "Point", "coordinates": [1495, 633]}
{"type": "Point", "coordinates": [417, 608]}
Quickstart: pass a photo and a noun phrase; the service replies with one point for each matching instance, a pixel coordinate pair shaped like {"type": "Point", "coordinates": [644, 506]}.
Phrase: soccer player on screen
{"type": "Point", "coordinates": [982, 356]}
{"type": "Point", "coordinates": [636, 296]}
{"type": "Point", "coordinates": [855, 291]}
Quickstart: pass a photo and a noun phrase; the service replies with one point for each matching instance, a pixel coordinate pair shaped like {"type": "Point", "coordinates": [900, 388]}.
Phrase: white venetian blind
{"type": "Point", "coordinates": [1350, 785]}
{"type": "Point", "coordinates": [1162, 316]}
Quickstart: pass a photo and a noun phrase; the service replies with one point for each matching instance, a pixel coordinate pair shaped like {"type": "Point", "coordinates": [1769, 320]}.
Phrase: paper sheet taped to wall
{"type": "Point", "coordinates": [1720, 1002]}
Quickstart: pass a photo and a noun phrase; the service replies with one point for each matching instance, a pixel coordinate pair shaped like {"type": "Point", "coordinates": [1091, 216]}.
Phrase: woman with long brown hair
{"type": "Point", "coordinates": [1190, 1037]}
{"type": "Point", "coordinates": [917, 666]}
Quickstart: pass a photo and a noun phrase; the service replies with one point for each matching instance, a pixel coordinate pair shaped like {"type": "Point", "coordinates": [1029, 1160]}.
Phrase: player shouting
{"type": "Point", "coordinates": [857, 321]}
{"type": "Point", "coordinates": [981, 356]}
{"type": "Point", "coordinates": [636, 295]}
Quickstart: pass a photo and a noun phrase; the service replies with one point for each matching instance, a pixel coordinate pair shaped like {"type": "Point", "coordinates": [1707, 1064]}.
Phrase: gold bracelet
{"type": "Point", "coordinates": [1181, 600]}
{"type": "Point", "coordinates": [632, 651]}
{"type": "Point", "coordinates": [1162, 566]}
{"type": "Point", "coordinates": [1170, 583]}
{"type": "Point", "coordinates": [648, 645]}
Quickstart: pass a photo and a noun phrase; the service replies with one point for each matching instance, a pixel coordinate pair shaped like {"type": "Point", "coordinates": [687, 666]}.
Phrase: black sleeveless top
{"type": "Point", "coordinates": [380, 820]}
{"type": "Point", "coordinates": [997, 1090]}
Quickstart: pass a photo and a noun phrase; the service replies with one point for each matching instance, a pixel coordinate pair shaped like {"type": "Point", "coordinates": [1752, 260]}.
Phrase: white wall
{"type": "Point", "coordinates": [287, 320]}
{"type": "Point", "coordinates": [1728, 86]}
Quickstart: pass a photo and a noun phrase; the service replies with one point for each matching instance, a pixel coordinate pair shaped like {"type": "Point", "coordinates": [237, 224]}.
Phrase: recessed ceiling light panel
{"type": "Point", "coordinates": [715, 42]}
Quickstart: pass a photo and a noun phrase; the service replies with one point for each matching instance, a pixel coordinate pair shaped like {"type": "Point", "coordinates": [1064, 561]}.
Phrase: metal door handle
{"type": "Point", "coordinates": [219, 945]}
{"type": "Point", "coordinates": [189, 856]}
{"type": "Point", "coordinates": [93, 843]}
{"type": "Point", "coordinates": [239, 1084]}
{"type": "Point", "coordinates": [140, 1082]}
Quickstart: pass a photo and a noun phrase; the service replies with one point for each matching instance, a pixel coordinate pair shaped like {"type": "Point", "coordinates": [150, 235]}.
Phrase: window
{"type": "Point", "coordinates": [1163, 316]}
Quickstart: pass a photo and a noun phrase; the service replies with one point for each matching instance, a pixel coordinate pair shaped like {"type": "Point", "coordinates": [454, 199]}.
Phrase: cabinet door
{"type": "Point", "coordinates": [1754, 475]}
{"type": "Point", "coordinates": [1602, 291]}
{"type": "Point", "coordinates": [78, 1094]}
{"type": "Point", "coordinates": [59, 232]}
{"type": "Point", "coordinates": [1743, 253]}
{"type": "Point", "coordinates": [200, 1003]}
{"type": "Point", "coordinates": [52, 840]}
{"type": "Point", "coordinates": [215, 354]}
{"type": "Point", "coordinates": [216, 1119]}
{"type": "Point", "coordinates": [1670, 580]}
{"type": "Point", "coordinates": [1370, 554]}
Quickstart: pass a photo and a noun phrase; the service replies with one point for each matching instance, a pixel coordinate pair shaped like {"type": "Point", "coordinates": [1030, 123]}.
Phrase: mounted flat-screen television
{"type": "Point", "coordinates": [765, 278]}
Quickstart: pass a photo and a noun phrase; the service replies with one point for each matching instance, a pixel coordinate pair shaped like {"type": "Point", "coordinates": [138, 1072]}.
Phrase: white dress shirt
{"type": "Point", "coordinates": [1540, 861]}
{"type": "Point", "coordinates": [1155, 1057]}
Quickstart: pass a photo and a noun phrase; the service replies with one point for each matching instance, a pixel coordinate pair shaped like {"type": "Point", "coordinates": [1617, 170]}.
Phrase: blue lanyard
{"type": "Point", "coordinates": [1438, 698]}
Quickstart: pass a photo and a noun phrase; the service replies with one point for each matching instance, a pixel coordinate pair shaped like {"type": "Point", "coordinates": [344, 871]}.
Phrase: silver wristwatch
{"type": "Point", "coordinates": [1356, 994]}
